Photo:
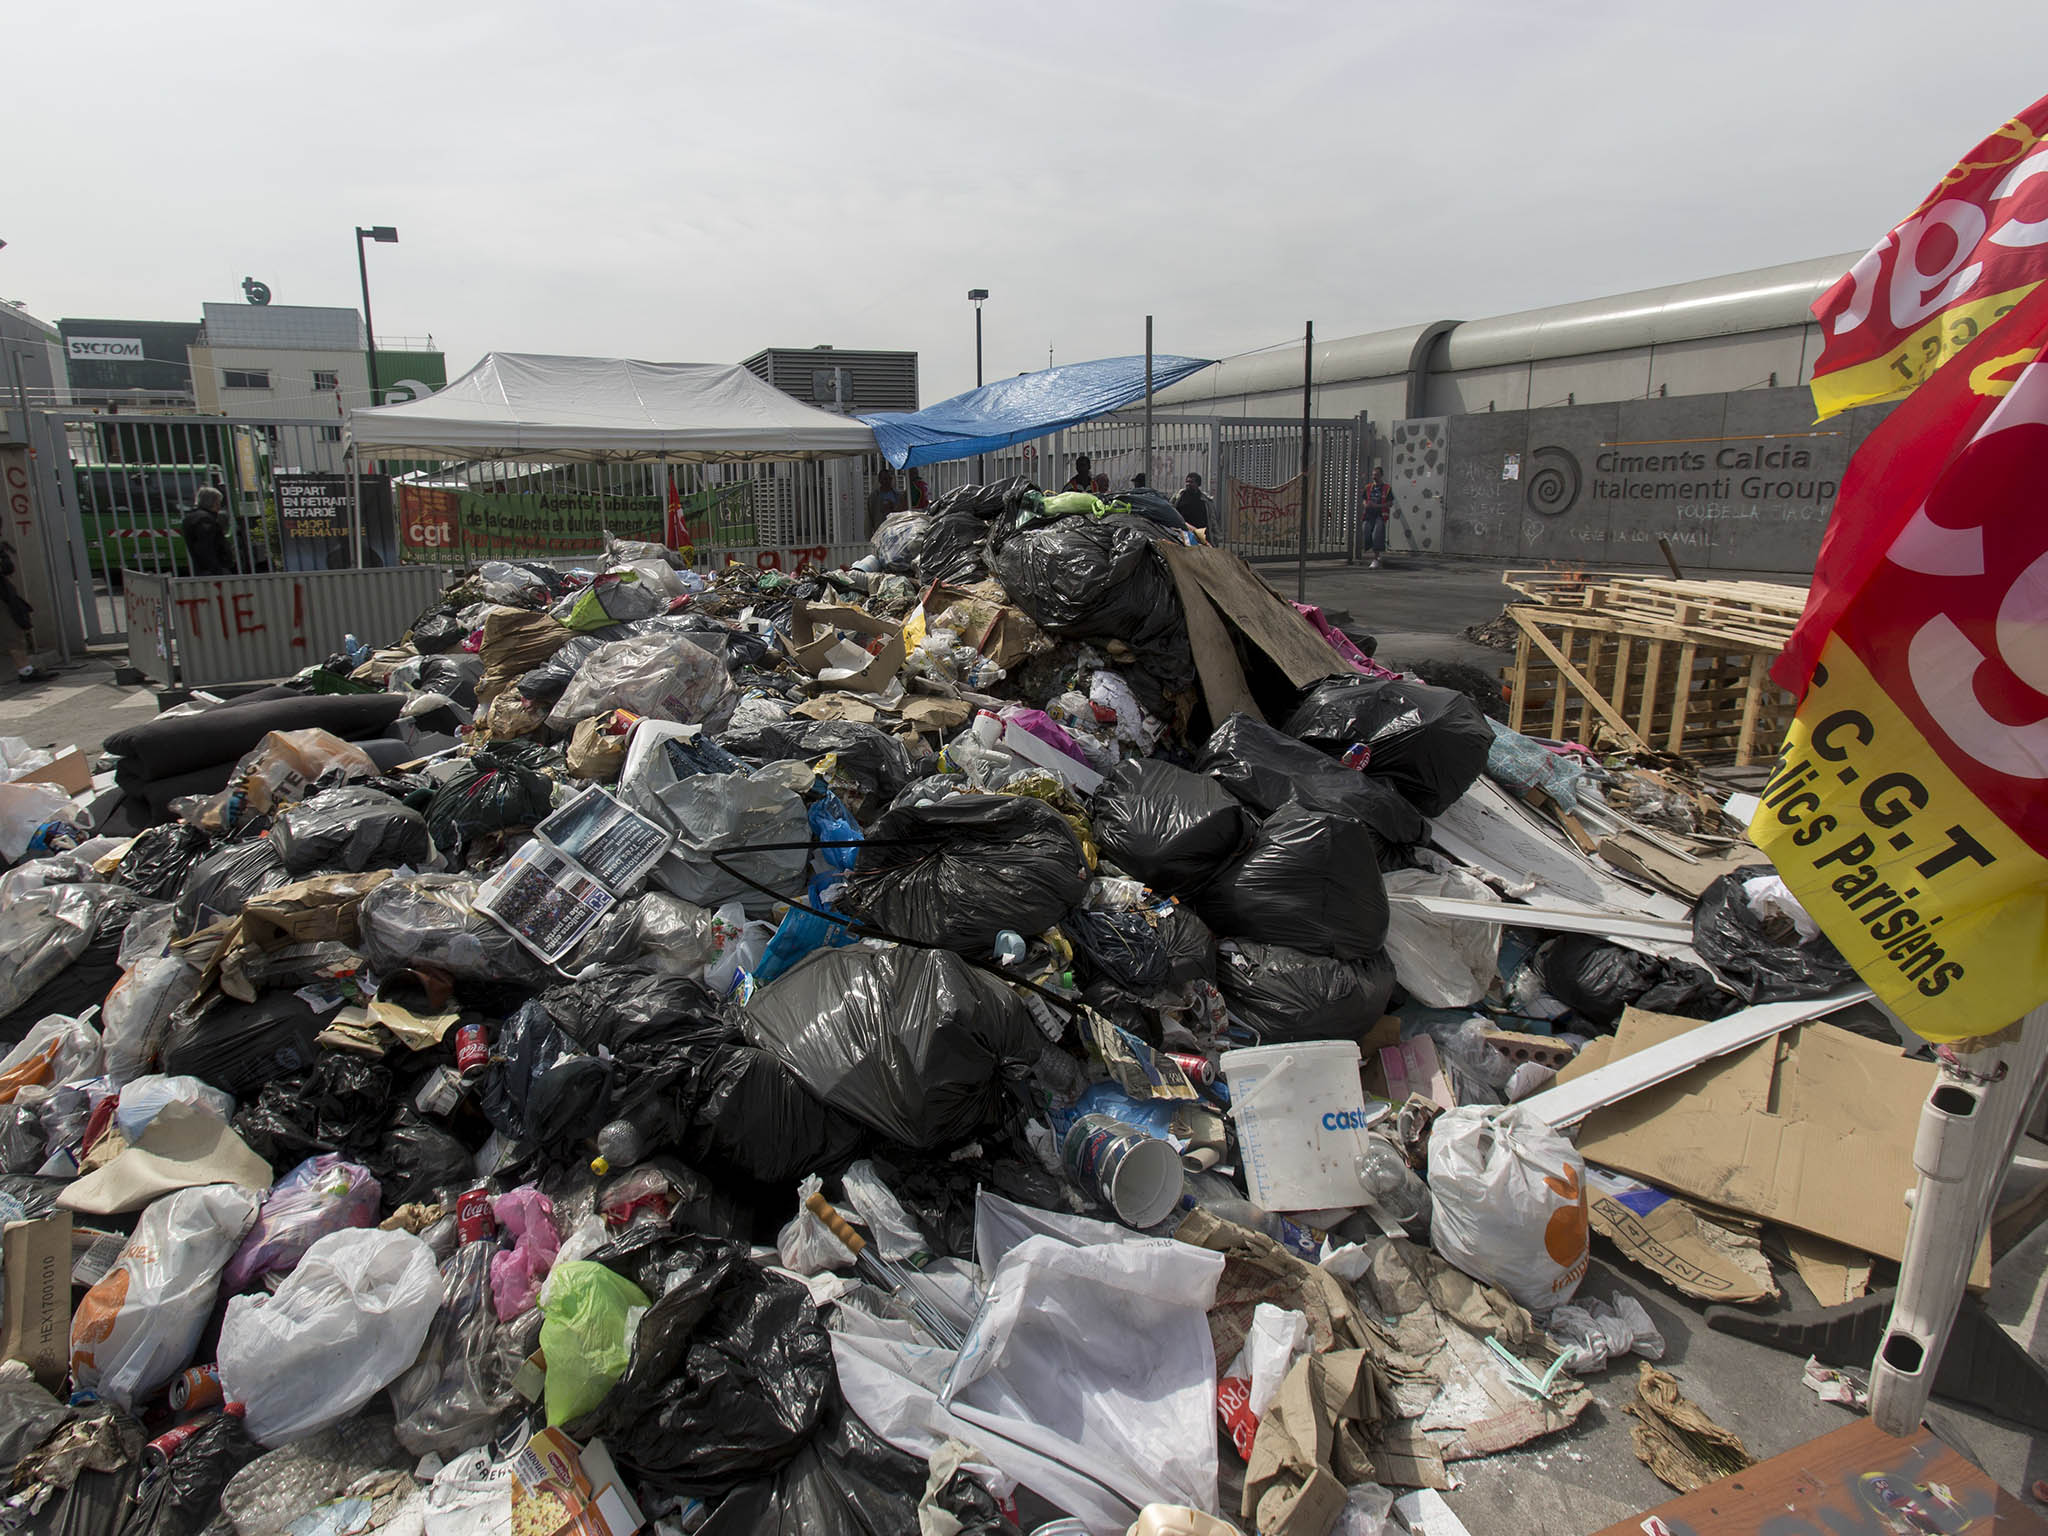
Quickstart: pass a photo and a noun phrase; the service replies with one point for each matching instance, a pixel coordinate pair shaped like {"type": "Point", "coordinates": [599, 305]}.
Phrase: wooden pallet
{"type": "Point", "coordinates": [1593, 679]}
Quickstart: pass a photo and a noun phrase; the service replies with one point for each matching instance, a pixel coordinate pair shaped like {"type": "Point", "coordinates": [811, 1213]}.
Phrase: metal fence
{"type": "Point", "coordinates": [1258, 456]}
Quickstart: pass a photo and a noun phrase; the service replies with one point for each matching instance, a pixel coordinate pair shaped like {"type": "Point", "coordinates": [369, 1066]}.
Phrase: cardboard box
{"type": "Point", "coordinates": [1812, 1129]}
{"type": "Point", "coordinates": [1662, 1233]}
{"type": "Point", "coordinates": [35, 1320]}
{"type": "Point", "coordinates": [814, 631]}
{"type": "Point", "coordinates": [562, 1489]}
{"type": "Point", "coordinates": [70, 772]}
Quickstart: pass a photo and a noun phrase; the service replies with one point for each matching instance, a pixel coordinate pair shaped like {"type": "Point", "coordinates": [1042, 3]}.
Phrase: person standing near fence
{"type": "Point", "coordinates": [206, 538]}
{"type": "Point", "coordinates": [17, 620]}
{"type": "Point", "coordinates": [883, 500]}
{"type": "Point", "coordinates": [1377, 506]}
{"type": "Point", "coordinates": [1192, 505]}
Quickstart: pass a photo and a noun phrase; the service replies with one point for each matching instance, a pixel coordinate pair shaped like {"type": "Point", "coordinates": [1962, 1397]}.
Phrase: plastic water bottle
{"type": "Point", "coordinates": [355, 650]}
{"type": "Point", "coordinates": [1390, 1184]}
{"type": "Point", "coordinates": [619, 1145]}
{"type": "Point", "coordinates": [1009, 947]}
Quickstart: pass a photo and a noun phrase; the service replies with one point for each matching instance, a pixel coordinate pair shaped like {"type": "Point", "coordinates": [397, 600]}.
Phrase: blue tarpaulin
{"type": "Point", "coordinates": [1020, 409]}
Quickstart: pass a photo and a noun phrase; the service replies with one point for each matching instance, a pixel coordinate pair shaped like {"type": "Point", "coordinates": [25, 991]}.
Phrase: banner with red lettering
{"type": "Point", "coordinates": [1265, 515]}
{"type": "Point", "coordinates": [1971, 251]}
{"type": "Point", "coordinates": [1909, 812]}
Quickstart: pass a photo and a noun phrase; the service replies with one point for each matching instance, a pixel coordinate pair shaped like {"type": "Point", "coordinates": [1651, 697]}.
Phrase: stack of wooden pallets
{"type": "Point", "coordinates": [1640, 663]}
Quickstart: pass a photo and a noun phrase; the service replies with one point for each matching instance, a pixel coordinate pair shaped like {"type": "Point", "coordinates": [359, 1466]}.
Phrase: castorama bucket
{"type": "Point", "coordinates": [1300, 1113]}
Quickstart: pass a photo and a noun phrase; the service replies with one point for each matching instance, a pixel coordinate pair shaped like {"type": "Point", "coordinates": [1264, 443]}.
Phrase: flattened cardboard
{"type": "Point", "coordinates": [1812, 1129]}
{"type": "Point", "coordinates": [1662, 1234]}
{"type": "Point", "coordinates": [814, 630]}
{"type": "Point", "coordinates": [70, 773]}
{"type": "Point", "coordinates": [1412, 1067]}
{"type": "Point", "coordinates": [35, 1325]}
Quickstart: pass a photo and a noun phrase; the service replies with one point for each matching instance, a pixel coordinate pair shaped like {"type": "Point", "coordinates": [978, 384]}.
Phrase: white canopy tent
{"type": "Point", "coordinates": [533, 407]}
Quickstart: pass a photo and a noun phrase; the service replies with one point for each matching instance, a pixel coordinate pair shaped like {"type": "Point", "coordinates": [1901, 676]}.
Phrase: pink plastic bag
{"type": "Point", "coordinates": [528, 1217]}
{"type": "Point", "coordinates": [1046, 729]}
{"type": "Point", "coordinates": [1340, 642]}
{"type": "Point", "coordinates": [322, 1195]}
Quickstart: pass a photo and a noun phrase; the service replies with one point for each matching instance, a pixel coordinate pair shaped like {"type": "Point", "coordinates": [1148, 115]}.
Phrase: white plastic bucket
{"type": "Point", "coordinates": [1300, 1113]}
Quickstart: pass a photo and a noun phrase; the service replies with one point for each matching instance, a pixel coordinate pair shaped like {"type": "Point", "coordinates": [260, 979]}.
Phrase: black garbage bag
{"type": "Point", "coordinates": [992, 500]}
{"type": "Point", "coordinates": [952, 549]}
{"type": "Point", "coordinates": [618, 1008]}
{"type": "Point", "coordinates": [1149, 504]}
{"type": "Point", "coordinates": [352, 828]}
{"type": "Point", "coordinates": [453, 676]}
{"type": "Point", "coordinates": [876, 763]}
{"type": "Point", "coordinates": [731, 1367]}
{"type": "Point", "coordinates": [1763, 959]}
{"type": "Point", "coordinates": [432, 921]}
{"type": "Point", "coordinates": [939, 1193]}
{"type": "Point", "coordinates": [546, 683]}
{"type": "Point", "coordinates": [239, 1047]}
{"type": "Point", "coordinates": [1429, 743]}
{"type": "Point", "coordinates": [568, 1105]}
{"type": "Point", "coordinates": [1190, 946]}
{"type": "Point", "coordinates": [1689, 991]}
{"type": "Point", "coordinates": [1122, 948]}
{"type": "Point", "coordinates": [1593, 978]}
{"type": "Point", "coordinates": [523, 1048]}
{"type": "Point", "coordinates": [186, 1497]}
{"type": "Point", "coordinates": [1172, 829]}
{"type": "Point", "coordinates": [959, 872]}
{"type": "Point", "coordinates": [1086, 578]}
{"type": "Point", "coordinates": [437, 630]}
{"type": "Point", "coordinates": [848, 1481]}
{"type": "Point", "coordinates": [1282, 995]}
{"type": "Point", "coordinates": [1265, 769]}
{"type": "Point", "coordinates": [340, 1105]}
{"type": "Point", "coordinates": [1310, 880]}
{"type": "Point", "coordinates": [493, 792]}
{"type": "Point", "coordinates": [220, 885]}
{"type": "Point", "coordinates": [416, 1160]}
{"type": "Point", "coordinates": [160, 858]}
{"type": "Point", "coordinates": [915, 1043]}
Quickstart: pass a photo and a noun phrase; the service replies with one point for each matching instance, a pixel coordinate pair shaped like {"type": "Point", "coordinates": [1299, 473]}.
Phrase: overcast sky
{"type": "Point", "coordinates": [690, 183]}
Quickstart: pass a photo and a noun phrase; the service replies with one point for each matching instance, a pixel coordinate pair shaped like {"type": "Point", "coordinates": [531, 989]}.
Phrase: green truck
{"type": "Point", "coordinates": [132, 516]}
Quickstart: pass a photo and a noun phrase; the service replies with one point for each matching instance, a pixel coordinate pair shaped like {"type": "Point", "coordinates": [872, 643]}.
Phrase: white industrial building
{"type": "Point", "coordinates": [283, 362]}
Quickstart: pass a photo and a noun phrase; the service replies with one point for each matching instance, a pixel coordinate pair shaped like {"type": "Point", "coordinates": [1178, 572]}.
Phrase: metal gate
{"type": "Point", "coordinates": [1246, 465]}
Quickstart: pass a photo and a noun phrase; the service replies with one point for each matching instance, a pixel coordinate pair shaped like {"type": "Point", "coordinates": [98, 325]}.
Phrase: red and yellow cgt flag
{"type": "Point", "coordinates": [1909, 812]}
{"type": "Point", "coordinates": [1965, 257]}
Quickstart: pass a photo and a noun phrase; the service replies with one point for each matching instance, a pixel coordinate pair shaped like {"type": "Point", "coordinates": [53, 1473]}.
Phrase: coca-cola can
{"type": "Point", "coordinates": [472, 1049]}
{"type": "Point", "coordinates": [159, 1451]}
{"type": "Point", "coordinates": [1195, 1065]}
{"type": "Point", "coordinates": [197, 1388]}
{"type": "Point", "coordinates": [473, 1216]}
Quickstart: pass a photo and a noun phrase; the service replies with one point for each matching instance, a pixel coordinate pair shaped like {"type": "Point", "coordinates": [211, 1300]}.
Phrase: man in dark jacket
{"type": "Point", "coordinates": [1191, 504]}
{"type": "Point", "coordinates": [206, 536]}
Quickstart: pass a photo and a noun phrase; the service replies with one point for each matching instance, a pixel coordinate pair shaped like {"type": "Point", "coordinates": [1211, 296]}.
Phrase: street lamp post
{"type": "Point", "coordinates": [383, 234]}
{"type": "Point", "coordinates": [975, 296]}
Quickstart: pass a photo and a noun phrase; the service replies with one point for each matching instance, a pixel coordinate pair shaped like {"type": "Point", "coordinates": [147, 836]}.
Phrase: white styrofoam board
{"type": "Point", "coordinates": [1612, 925]}
{"type": "Point", "coordinates": [1569, 1103]}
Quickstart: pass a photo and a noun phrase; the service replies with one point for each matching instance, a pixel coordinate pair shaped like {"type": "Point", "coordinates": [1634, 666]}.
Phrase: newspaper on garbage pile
{"type": "Point", "coordinates": [581, 859]}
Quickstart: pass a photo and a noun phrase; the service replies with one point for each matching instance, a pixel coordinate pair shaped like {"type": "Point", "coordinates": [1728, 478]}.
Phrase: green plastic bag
{"type": "Point", "coordinates": [589, 1315]}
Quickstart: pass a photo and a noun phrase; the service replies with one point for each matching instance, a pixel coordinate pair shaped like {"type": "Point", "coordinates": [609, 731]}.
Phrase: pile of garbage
{"type": "Point", "coordinates": [868, 1051]}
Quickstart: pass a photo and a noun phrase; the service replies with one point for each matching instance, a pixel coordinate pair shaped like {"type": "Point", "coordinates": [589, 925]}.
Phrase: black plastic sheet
{"type": "Point", "coordinates": [1763, 959]}
{"type": "Point", "coordinates": [186, 1498]}
{"type": "Point", "coordinates": [961, 871]}
{"type": "Point", "coordinates": [160, 858]}
{"type": "Point", "coordinates": [1310, 881]}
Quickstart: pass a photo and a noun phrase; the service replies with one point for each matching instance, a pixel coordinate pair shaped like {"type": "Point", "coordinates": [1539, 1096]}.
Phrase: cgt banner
{"type": "Point", "coordinates": [1909, 812]}
{"type": "Point", "coordinates": [437, 524]}
{"type": "Point", "coordinates": [1971, 251]}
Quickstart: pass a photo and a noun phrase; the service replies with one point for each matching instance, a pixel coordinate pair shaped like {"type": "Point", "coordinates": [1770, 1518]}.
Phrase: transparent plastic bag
{"type": "Point", "coordinates": [345, 1324]}
{"type": "Point", "coordinates": [806, 1244]}
{"type": "Point", "coordinates": [46, 928]}
{"type": "Point", "coordinates": [663, 676]}
{"type": "Point", "coordinates": [57, 1050]}
{"type": "Point", "coordinates": [276, 771]}
{"type": "Point", "coordinates": [718, 812]}
{"type": "Point", "coordinates": [138, 1327]}
{"type": "Point", "coordinates": [146, 1097]}
{"type": "Point", "coordinates": [323, 1194]}
{"type": "Point", "coordinates": [591, 1314]}
{"type": "Point", "coordinates": [138, 1011]}
{"type": "Point", "coordinates": [1442, 962]}
{"type": "Point", "coordinates": [453, 1394]}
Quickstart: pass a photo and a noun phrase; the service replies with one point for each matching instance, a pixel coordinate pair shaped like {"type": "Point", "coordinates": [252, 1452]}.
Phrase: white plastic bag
{"type": "Point", "coordinates": [344, 1325]}
{"type": "Point", "coordinates": [24, 808]}
{"type": "Point", "coordinates": [1601, 1333]}
{"type": "Point", "coordinates": [138, 1327]}
{"type": "Point", "coordinates": [1510, 1198]}
{"type": "Point", "coordinates": [144, 1098]}
{"type": "Point", "coordinates": [806, 1244]}
{"type": "Point", "coordinates": [57, 1050]}
{"type": "Point", "coordinates": [662, 676]}
{"type": "Point", "coordinates": [1442, 962]}
{"type": "Point", "coordinates": [137, 1013]}
{"type": "Point", "coordinates": [888, 1224]}
{"type": "Point", "coordinates": [471, 1496]}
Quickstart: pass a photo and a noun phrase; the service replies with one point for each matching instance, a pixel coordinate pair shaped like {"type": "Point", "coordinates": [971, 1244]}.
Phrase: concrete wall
{"type": "Point", "coordinates": [1736, 481]}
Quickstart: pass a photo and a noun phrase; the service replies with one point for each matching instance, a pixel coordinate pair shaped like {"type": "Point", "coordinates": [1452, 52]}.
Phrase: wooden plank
{"type": "Point", "coordinates": [1557, 701]}
{"type": "Point", "coordinates": [1216, 664]}
{"type": "Point", "coordinates": [1518, 696]}
{"type": "Point", "coordinates": [1745, 743]}
{"type": "Point", "coordinates": [1267, 619]}
{"type": "Point", "coordinates": [1681, 697]}
{"type": "Point", "coordinates": [1651, 666]}
{"type": "Point", "coordinates": [1577, 679]}
{"type": "Point", "coordinates": [1618, 694]}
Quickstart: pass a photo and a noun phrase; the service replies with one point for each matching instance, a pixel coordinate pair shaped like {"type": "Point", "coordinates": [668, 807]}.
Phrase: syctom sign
{"type": "Point", "coordinates": [104, 349]}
